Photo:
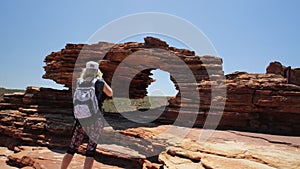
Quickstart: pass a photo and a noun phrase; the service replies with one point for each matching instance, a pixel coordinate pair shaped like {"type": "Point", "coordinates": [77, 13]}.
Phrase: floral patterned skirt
{"type": "Point", "coordinates": [92, 129]}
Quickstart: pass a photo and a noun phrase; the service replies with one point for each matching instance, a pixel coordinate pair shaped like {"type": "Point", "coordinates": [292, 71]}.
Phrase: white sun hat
{"type": "Point", "coordinates": [92, 65]}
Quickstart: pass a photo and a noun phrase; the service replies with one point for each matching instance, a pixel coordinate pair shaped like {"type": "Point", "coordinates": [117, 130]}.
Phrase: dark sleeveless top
{"type": "Point", "coordinates": [101, 96]}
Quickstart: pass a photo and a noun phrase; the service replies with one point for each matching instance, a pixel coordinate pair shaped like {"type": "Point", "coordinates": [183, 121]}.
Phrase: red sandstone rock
{"type": "Point", "coordinates": [292, 75]}
{"type": "Point", "coordinates": [228, 149]}
{"type": "Point", "coordinates": [223, 149]}
{"type": "Point", "coordinates": [60, 65]}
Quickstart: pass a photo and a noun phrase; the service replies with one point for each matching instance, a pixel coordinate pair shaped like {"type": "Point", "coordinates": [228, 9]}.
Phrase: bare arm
{"type": "Point", "coordinates": [107, 90]}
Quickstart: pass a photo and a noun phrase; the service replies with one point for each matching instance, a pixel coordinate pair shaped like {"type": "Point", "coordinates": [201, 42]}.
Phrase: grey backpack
{"type": "Point", "coordinates": [85, 101]}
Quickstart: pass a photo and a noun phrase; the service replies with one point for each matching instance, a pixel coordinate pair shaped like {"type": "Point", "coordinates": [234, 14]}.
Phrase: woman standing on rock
{"type": "Point", "coordinates": [87, 122]}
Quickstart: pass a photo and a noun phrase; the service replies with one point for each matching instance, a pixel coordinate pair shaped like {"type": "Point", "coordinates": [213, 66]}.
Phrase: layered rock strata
{"type": "Point", "coordinates": [133, 61]}
{"type": "Point", "coordinates": [40, 116]}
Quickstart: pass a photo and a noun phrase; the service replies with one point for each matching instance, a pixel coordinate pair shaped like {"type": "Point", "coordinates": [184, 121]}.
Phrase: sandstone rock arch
{"type": "Point", "coordinates": [60, 65]}
{"type": "Point", "coordinates": [119, 62]}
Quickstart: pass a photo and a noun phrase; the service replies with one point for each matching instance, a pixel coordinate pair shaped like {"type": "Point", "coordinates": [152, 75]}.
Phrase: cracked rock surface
{"type": "Point", "coordinates": [231, 149]}
{"type": "Point", "coordinates": [184, 149]}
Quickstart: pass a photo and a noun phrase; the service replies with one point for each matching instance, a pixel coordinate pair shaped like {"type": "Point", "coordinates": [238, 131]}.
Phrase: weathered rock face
{"type": "Point", "coordinates": [292, 75]}
{"type": "Point", "coordinates": [133, 61]}
{"type": "Point", "coordinates": [270, 104]}
{"type": "Point", "coordinates": [231, 149]}
{"type": "Point", "coordinates": [39, 116]}
{"type": "Point", "coordinates": [254, 102]}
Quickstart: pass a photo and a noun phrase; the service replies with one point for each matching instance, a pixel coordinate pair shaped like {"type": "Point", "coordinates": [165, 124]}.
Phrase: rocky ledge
{"type": "Point", "coordinates": [222, 150]}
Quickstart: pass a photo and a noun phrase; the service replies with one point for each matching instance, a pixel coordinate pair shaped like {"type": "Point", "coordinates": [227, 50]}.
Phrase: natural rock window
{"type": "Point", "coordinates": [162, 86]}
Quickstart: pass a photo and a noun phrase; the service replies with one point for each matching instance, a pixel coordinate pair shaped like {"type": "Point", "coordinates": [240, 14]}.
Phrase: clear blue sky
{"type": "Point", "coordinates": [248, 34]}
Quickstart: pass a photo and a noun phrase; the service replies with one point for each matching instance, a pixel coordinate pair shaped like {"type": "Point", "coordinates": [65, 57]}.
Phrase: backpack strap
{"type": "Point", "coordinates": [94, 80]}
{"type": "Point", "coordinates": [80, 81]}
